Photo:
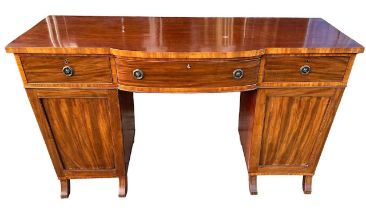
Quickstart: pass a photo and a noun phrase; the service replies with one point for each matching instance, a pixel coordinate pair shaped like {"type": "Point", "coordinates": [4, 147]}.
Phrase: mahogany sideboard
{"type": "Point", "coordinates": [80, 74]}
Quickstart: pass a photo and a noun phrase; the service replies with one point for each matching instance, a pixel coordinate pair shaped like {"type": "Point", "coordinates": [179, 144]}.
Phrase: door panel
{"type": "Point", "coordinates": [81, 131]}
{"type": "Point", "coordinates": [291, 128]}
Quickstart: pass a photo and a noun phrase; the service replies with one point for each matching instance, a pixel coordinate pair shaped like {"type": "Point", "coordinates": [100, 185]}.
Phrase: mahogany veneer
{"type": "Point", "coordinates": [46, 69]}
{"type": "Point", "coordinates": [324, 69]}
{"type": "Point", "coordinates": [187, 73]}
{"type": "Point", "coordinates": [80, 74]}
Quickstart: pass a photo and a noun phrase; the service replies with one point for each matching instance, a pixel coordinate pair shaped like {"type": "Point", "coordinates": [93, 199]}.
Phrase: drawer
{"type": "Point", "coordinates": [50, 69]}
{"type": "Point", "coordinates": [187, 73]}
{"type": "Point", "coordinates": [322, 69]}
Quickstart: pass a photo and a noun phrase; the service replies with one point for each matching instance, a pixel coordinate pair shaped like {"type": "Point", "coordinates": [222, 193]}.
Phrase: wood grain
{"type": "Point", "coordinates": [20, 68]}
{"type": "Point", "coordinates": [83, 142]}
{"type": "Point", "coordinates": [283, 130]}
{"type": "Point", "coordinates": [175, 74]}
{"type": "Point", "coordinates": [90, 173]}
{"type": "Point", "coordinates": [186, 89]}
{"type": "Point", "coordinates": [301, 84]}
{"type": "Point", "coordinates": [349, 68]}
{"type": "Point", "coordinates": [48, 69]}
{"type": "Point", "coordinates": [87, 120]}
{"type": "Point", "coordinates": [182, 37]}
{"type": "Point", "coordinates": [62, 86]}
{"type": "Point", "coordinates": [81, 128]}
{"type": "Point", "coordinates": [126, 105]}
{"type": "Point", "coordinates": [290, 129]}
{"type": "Point", "coordinates": [246, 121]}
{"type": "Point", "coordinates": [323, 69]}
{"type": "Point", "coordinates": [290, 124]}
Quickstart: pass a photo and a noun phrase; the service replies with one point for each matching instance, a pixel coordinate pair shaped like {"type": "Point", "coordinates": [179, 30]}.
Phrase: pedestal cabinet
{"type": "Point", "coordinates": [80, 74]}
{"type": "Point", "coordinates": [288, 130]}
{"type": "Point", "coordinates": [82, 131]}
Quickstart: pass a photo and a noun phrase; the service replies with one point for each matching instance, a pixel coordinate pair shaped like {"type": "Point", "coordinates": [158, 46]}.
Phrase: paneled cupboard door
{"type": "Point", "coordinates": [283, 130]}
{"type": "Point", "coordinates": [289, 129]}
{"type": "Point", "coordinates": [82, 131]}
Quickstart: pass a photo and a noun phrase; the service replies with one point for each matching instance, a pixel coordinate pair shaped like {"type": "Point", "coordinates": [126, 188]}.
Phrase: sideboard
{"type": "Point", "coordinates": [80, 73]}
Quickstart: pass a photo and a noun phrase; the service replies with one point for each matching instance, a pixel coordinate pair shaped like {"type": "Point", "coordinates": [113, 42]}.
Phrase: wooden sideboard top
{"type": "Point", "coordinates": [182, 37]}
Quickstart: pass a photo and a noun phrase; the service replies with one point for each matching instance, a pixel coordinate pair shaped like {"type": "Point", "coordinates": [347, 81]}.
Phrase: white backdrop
{"type": "Point", "coordinates": [187, 153]}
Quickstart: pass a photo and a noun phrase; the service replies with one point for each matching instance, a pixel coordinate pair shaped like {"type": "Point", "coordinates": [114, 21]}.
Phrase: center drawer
{"type": "Point", "coordinates": [187, 73]}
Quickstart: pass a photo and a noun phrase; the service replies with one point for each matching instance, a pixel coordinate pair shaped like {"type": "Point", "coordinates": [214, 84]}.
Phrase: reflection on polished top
{"type": "Point", "coordinates": [164, 35]}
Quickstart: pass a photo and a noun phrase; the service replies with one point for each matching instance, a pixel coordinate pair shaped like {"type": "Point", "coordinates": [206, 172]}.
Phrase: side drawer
{"type": "Point", "coordinates": [187, 73]}
{"type": "Point", "coordinates": [49, 69]}
{"type": "Point", "coordinates": [322, 68]}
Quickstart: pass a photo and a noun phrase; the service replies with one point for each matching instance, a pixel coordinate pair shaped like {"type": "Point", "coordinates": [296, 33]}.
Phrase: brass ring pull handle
{"type": "Point", "coordinates": [238, 73]}
{"type": "Point", "coordinates": [138, 74]}
{"type": "Point", "coordinates": [305, 69]}
{"type": "Point", "coordinates": [68, 71]}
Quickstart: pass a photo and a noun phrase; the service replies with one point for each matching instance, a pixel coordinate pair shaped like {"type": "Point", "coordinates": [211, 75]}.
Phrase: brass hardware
{"type": "Point", "coordinates": [238, 73]}
{"type": "Point", "coordinates": [305, 69]}
{"type": "Point", "coordinates": [68, 71]}
{"type": "Point", "coordinates": [67, 61]}
{"type": "Point", "coordinates": [138, 74]}
{"type": "Point", "coordinates": [189, 66]}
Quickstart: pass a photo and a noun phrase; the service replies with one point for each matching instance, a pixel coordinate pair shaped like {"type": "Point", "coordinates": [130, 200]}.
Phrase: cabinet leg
{"type": "Point", "coordinates": [253, 185]}
{"type": "Point", "coordinates": [65, 188]}
{"type": "Point", "coordinates": [306, 184]}
{"type": "Point", "coordinates": [122, 186]}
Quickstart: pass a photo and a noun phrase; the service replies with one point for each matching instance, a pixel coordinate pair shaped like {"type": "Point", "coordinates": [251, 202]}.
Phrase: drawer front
{"type": "Point", "coordinates": [49, 69]}
{"type": "Point", "coordinates": [322, 69]}
{"type": "Point", "coordinates": [187, 74]}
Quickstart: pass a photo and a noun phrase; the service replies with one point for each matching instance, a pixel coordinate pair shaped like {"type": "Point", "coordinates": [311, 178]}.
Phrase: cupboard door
{"type": "Point", "coordinates": [295, 124]}
{"type": "Point", "coordinates": [81, 129]}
